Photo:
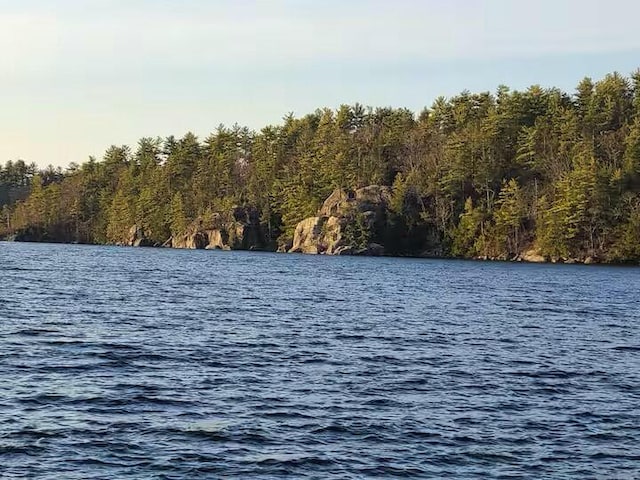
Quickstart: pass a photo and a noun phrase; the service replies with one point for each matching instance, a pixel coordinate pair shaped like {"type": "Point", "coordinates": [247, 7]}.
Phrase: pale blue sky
{"type": "Point", "coordinates": [79, 75]}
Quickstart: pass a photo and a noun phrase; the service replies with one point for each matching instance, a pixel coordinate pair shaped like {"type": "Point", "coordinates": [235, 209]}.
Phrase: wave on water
{"type": "Point", "coordinates": [239, 365]}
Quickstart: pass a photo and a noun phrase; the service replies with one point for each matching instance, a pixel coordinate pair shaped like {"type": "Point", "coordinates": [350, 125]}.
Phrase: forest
{"type": "Point", "coordinates": [477, 175]}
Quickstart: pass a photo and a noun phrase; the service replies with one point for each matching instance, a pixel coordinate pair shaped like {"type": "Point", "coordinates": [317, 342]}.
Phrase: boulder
{"type": "Point", "coordinates": [308, 235]}
{"type": "Point", "coordinates": [373, 250]}
{"type": "Point", "coordinates": [285, 246]}
{"type": "Point", "coordinates": [533, 256]}
{"type": "Point", "coordinates": [344, 250]}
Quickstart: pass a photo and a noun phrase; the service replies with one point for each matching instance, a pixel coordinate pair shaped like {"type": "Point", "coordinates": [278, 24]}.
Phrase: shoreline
{"type": "Point", "coordinates": [518, 260]}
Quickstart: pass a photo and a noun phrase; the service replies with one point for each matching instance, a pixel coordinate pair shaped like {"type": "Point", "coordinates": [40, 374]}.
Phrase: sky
{"type": "Point", "coordinates": [77, 76]}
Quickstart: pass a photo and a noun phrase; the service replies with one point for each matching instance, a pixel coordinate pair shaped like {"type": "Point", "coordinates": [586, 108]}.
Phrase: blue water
{"type": "Point", "coordinates": [119, 363]}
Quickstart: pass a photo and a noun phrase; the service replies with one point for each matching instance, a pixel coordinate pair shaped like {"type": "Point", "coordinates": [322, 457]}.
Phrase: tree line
{"type": "Point", "coordinates": [475, 175]}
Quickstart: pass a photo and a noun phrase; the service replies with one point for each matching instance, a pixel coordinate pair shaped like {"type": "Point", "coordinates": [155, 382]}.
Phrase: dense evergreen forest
{"type": "Point", "coordinates": [475, 175]}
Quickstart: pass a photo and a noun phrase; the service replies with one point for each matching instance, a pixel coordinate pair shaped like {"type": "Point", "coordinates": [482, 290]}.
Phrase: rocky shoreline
{"type": "Point", "coordinates": [375, 251]}
{"type": "Point", "coordinates": [349, 222]}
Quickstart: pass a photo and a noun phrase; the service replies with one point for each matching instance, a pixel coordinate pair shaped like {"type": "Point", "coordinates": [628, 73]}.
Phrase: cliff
{"type": "Point", "coordinates": [349, 223]}
{"type": "Point", "coordinates": [238, 229]}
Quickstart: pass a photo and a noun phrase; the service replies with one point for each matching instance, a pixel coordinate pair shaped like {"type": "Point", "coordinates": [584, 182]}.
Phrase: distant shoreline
{"type": "Point", "coordinates": [538, 175]}
{"type": "Point", "coordinates": [417, 257]}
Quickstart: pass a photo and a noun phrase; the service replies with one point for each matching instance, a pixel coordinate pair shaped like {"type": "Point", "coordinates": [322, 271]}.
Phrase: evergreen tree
{"type": "Point", "coordinates": [477, 174]}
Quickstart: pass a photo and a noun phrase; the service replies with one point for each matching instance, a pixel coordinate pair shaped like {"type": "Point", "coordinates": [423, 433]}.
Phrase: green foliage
{"type": "Point", "coordinates": [478, 174]}
{"type": "Point", "coordinates": [511, 210]}
{"type": "Point", "coordinates": [179, 220]}
{"type": "Point", "coordinates": [468, 235]}
{"type": "Point", "coordinates": [626, 246]}
{"type": "Point", "coordinates": [119, 218]}
{"type": "Point", "coordinates": [357, 232]}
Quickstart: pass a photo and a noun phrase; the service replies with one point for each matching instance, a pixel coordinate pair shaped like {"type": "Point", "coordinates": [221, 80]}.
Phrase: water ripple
{"type": "Point", "coordinates": [137, 364]}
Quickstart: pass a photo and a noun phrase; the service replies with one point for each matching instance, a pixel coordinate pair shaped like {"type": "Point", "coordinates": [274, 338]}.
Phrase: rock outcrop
{"type": "Point", "coordinates": [533, 256]}
{"type": "Point", "coordinates": [309, 236]}
{"type": "Point", "coordinates": [235, 230]}
{"type": "Point", "coordinates": [341, 203]}
{"type": "Point", "coordinates": [137, 237]}
{"type": "Point", "coordinates": [346, 224]}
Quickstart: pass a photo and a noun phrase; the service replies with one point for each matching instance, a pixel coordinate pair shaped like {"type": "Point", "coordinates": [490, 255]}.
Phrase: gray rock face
{"type": "Point", "coordinates": [340, 203]}
{"type": "Point", "coordinates": [329, 232]}
{"type": "Point", "coordinates": [336, 203]}
{"type": "Point", "coordinates": [137, 237]}
{"type": "Point", "coordinates": [533, 256]}
{"type": "Point", "coordinates": [235, 230]}
{"type": "Point", "coordinates": [309, 236]}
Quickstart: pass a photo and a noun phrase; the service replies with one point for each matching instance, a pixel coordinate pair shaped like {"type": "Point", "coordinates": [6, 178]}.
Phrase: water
{"type": "Point", "coordinates": [120, 363]}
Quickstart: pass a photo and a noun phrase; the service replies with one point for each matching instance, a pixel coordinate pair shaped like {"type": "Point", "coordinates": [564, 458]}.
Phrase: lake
{"type": "Point", "coordinates": [123, 363]}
